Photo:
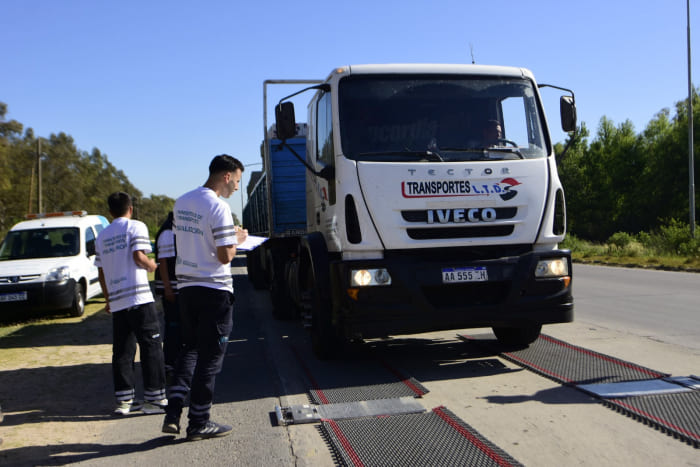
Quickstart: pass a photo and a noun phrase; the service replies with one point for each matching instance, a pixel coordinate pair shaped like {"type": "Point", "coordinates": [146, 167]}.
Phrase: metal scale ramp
{"type": "Point", "coordinates": [670, 404]}
{"type": "Point", "coordinates": [392, 431]}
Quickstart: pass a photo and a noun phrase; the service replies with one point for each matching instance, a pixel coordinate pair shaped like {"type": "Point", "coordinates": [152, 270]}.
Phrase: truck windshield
{"type": "Point", "coordinates": [439, 118]}
{"type": "Point", "coordinates": [40, 243]}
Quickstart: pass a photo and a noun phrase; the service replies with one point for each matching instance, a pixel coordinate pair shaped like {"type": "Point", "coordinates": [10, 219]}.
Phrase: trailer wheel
{"type": "Point", "coordinates": [518, 336]}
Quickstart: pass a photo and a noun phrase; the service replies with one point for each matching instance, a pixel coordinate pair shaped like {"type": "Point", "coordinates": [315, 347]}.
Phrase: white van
{"type": "Point", "coordinates": [47, 263]}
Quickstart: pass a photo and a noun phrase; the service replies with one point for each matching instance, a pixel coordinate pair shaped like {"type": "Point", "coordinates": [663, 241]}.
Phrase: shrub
{"type": "Point", "coordinates": [673, 238]}
{"type": "Point", "coordinates": [620, 239]}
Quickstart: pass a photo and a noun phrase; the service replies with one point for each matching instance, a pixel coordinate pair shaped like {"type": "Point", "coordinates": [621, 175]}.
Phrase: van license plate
{"type": "Point", "coordinates": [13, 297]}
{"type": "Point", "coordinates": [456, 275]}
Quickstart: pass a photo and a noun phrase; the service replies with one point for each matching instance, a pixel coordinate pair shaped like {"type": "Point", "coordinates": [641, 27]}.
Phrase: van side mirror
{"type": "Point", "coordinates": [567, 108]}
{"type": "Point", "coordinates": [285, 121]}
{"type": "Point", "coordinates": [90, 248]}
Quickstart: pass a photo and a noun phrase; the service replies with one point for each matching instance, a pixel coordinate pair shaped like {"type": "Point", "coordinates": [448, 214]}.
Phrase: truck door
{"type": "Point", "coordinates": [323, 191]}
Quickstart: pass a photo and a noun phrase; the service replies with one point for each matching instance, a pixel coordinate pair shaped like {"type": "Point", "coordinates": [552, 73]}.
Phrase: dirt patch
{"type": "Point", "coordinates": [55, 375]}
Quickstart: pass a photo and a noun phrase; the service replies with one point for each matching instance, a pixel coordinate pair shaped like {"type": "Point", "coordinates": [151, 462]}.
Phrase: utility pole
{"type": "Point", "coordinates": [31, 190]}
{"type": "Point", "coordinates": [691, 151]}
{"type": "Point", "coordinates": [38, 161]}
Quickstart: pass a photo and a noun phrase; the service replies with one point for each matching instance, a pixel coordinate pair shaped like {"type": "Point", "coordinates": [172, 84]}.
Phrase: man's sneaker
{"type": "Point", "coordinates": [208, 430]}
{"type": "Point", "coordinates": [155, 407]}
{"type": "Point", "coordinates": [126, 407]}
{"type": "Point", "coordinates": [171, 425]}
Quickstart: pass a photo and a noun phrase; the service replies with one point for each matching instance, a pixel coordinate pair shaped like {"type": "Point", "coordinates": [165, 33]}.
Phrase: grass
{"type": "Point", "coordinates": [39, 324]}
{"type": "Point", "coordinates": [630, 253]}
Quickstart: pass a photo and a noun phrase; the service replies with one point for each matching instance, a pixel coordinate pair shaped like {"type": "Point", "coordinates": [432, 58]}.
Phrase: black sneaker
{"type": "Point", "coordinates": [208, 430]}
{"type": "Point", "coordinates": [171, 425]}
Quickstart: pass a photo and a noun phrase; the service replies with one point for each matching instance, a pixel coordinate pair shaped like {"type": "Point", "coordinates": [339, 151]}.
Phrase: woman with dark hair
{"type": "Point", "coordinates": [166, 287]}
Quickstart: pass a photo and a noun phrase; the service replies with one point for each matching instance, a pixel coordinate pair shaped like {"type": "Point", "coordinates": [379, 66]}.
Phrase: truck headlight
{"type": "Point", "coordinates": [58, 274]}
{"type": "Point", "coordinates": [369, 277]}
{"type": "Point", "coordinates": [552, 267]}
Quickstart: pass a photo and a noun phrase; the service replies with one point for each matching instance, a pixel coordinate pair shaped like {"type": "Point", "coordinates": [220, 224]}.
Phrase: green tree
{"type": "Point", "coordinates": [10, 131]}
{"type": "Point", "coordinates": [153, 211]}
{"type": "Point", "coordinates": [573, 178]}
{"type": "Point", "coordinates": [72, 179]}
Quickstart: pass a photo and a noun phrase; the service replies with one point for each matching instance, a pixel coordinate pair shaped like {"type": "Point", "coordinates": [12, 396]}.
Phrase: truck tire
{"type": "Point", "coordinates": [521, 336]}
{"type": "Point", "coordinates": [255, 273]}
{"type": "Point", "coordinates": [77, 308]}
{"type": "Point", "coordinates": [282, 305]}
{"type": "Point", "coordinates": [326, 341]}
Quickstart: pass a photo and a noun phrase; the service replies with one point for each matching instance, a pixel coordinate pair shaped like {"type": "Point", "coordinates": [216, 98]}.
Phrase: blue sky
{"type": "Point", "coordinates": [161, 87]}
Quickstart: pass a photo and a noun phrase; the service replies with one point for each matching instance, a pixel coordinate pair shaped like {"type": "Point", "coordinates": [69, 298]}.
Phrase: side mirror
{"type": "Point", "coordinates": [285, 121]}
{"type": "Point", "coordinates": [90, 248]}
{"type": "Point", "coordinates": [567, 108]}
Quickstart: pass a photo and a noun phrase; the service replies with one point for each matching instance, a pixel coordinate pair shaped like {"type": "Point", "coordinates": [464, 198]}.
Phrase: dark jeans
{"type": "Point", "coordinates": [206, 319]}
{"type": "Point", "coordinates": [171, 337]}
{"type": "Point", "coordinates": [139, 324]}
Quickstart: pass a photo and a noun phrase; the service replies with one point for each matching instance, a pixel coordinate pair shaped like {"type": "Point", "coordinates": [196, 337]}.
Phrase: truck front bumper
{"type": "Point", "coordinates": [418, 301]}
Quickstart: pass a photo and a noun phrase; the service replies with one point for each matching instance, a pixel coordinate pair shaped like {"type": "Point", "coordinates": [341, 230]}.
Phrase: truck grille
{"type": "Point", "coordinates": [432, 233]}
{"type": "Point", "coordinates": [444, 231]}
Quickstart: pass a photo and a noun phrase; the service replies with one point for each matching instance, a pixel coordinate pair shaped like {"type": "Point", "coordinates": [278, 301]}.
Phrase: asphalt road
{"type": "Point", "coordinates": [662, 305]}
{"type": "Point", "coordinates": [645, 317]}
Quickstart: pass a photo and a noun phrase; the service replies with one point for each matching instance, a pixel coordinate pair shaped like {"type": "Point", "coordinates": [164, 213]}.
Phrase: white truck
{"type": "Point", "coordinates": [432, 203]}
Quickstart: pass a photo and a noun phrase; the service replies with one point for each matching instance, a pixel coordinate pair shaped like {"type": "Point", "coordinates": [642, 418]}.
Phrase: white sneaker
{"type": "Point", "coordinates": [155, 407]}
{"type": "Point", "coordinates": [126, 407]}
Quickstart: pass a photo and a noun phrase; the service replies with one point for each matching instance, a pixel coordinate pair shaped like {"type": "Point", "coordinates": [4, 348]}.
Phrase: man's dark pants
{"type": "Point", "coordinates": [171, 338]}
{"type": "Point", "coordinates": [139, 324]}
{"type": "Point", "coordinates": [206, 320]}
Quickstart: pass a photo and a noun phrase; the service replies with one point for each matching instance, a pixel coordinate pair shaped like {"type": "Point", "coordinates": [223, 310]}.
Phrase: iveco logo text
{"type": "Point", "coordinates": [458, 216]}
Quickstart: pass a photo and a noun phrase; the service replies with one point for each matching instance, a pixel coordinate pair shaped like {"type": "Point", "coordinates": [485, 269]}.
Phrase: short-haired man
{"type": "Point", "coordinates": [492, 133]}
{"type": "Point", "coordinates": [206, 242]}
{"type": "Point", "coordinates": [123, 267]}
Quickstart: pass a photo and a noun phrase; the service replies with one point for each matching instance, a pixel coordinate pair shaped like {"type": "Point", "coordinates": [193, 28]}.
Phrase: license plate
{"type": "Point", "coordinates": [13, 297]}
{"type": "Point", "coordinates": [455, 275]}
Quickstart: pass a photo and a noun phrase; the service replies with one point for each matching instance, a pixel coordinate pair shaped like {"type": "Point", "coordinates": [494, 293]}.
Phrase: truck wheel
{"type": "Point", "coordinates": [326, 342]}
{"type": "Point", "coordinates": [255, 274]}
{"type": "Point", "coordinates": [282, 305]}
{"type": "Point", "coordinates": [77, 308]}
{"type": "Point", "coordinates": [520, 336]}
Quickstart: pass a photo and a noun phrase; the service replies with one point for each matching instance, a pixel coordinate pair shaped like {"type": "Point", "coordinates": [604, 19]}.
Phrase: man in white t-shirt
{"type": "Point", "coordinates": [123, 267]}
{"type": "Point", "coordinates": [206, 241]}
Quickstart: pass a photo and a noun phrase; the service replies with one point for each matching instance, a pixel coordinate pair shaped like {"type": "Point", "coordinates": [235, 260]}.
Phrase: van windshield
{"type": "Point", "coordinates": [439, 118]}
{"type": "Point", "coordinates": [40, 243]}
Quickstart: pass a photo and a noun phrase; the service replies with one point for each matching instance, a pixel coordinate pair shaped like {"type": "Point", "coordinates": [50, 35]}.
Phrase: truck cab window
{"type": "Point", "coordinates": [411, 118]}
{"type": "Point", "coordinates": [325, 152]}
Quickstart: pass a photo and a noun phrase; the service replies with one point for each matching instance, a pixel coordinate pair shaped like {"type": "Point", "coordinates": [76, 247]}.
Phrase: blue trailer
{"type": "Point", "coordinates": [276, 206]}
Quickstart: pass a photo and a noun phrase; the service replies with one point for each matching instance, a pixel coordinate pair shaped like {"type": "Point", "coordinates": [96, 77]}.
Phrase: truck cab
{"type": "Point", "coordinates": [433, 203]}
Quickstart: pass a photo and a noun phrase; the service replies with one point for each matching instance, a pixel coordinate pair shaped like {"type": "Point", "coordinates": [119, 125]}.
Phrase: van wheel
{"type": "Point", "coordinates": [77, 308]}
{"type": "Point", "coordinates": [521, 336]}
